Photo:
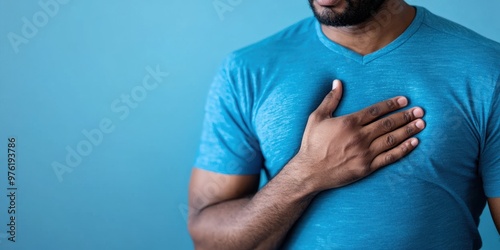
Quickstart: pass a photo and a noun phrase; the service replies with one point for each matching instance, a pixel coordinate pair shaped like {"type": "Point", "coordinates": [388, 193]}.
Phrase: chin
{"type": "Point", "coordinates": [330, 10]}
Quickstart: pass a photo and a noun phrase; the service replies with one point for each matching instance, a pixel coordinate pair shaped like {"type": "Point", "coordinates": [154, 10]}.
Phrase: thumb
{"type": "Point", "coordinates": [331, 101]}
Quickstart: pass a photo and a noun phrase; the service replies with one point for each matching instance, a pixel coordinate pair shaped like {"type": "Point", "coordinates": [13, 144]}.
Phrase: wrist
{"type": "Point", "coordinates": [298, 174]}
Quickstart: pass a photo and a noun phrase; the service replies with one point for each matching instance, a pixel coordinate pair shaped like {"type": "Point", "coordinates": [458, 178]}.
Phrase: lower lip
{"type": "Point", "coordinates": [328, 2]}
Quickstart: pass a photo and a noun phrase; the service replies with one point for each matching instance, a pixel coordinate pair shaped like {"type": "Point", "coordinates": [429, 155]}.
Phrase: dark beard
{"type": "Point", "coordinates": [356, 12]}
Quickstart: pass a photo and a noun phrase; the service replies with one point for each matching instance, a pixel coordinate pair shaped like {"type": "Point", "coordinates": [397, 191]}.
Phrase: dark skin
{"type": "Point", "coordinates": [227, 211]}
{"type": "Point", "coordinates": [390, 22]}
{"type": "Point", "coordinates": [236, 216]}
{"type": "Point", "coordinates": [494, 204]}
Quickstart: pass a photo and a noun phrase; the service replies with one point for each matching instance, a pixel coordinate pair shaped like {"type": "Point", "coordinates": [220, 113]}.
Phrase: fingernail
{"type": "Point", "coordinates": [420, 124]}
{"type": "Point", "coordinates": [418, 112]}
{"type": "Point", "coordinates": [335, 84]}
{"type": "Point", "coordinates": [402, 101]}
{"type": "Point", "coordinates": [414, 142]}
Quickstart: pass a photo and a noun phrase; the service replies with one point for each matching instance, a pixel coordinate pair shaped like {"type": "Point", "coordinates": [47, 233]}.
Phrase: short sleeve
{"type": "Point", "coordinates": [228, 145]}
{"type": "Point", "coordinates": [489, 163]}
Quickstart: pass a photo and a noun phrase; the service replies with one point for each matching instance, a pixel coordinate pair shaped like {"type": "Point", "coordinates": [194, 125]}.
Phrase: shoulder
{"type": "Point", "coordinates": [461, 48]}
{"type": "Point", "coordinates": [458, 36]}
{"type": "Point", "coordinates": [269, 49]}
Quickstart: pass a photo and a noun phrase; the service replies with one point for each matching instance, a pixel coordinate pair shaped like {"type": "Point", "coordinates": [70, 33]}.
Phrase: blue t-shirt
{"type": "Point", "coordinates": [259, 102]}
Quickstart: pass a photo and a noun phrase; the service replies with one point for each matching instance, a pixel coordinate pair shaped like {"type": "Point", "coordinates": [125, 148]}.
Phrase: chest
{"type": "Point", "coordinates": [450, 144]}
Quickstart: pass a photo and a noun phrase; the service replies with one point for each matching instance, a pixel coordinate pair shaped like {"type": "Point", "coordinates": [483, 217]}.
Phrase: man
{"type": "Point", "coordinates": [326, 157]}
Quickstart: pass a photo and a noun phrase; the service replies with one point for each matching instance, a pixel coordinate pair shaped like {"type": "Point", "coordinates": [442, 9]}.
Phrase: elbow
{"type": "Point", "coordinates": [196, 233]}
{"type": "Point", "coordinates": [204, 237]}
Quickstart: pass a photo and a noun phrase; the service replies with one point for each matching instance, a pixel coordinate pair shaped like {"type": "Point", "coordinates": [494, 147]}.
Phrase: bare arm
{"type": "Point", "coordinates": [256, 221]}
{"type": "Point", "coordinates": [235, 216]}
{"type": "Point", "coordinates": [494, 204]}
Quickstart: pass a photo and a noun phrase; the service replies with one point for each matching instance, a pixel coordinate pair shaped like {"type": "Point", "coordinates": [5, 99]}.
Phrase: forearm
{"type": "Point", "coordinates": [258, 222]}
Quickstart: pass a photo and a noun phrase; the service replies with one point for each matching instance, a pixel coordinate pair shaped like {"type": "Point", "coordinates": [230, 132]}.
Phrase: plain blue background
{"type": "Point", "coordinates": [130, 191]}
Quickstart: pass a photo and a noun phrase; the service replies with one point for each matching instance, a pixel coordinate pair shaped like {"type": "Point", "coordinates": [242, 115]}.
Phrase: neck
{"type": "Point", "coordinates": [384, 27]}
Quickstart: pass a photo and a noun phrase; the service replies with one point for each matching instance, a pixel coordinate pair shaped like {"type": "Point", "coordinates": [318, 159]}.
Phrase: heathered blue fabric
{"type": "Point", "coordinates": [259, 102]}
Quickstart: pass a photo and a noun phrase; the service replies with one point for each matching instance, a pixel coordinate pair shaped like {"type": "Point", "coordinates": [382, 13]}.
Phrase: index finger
{"type": "Point", "coordinates": [370, 114]}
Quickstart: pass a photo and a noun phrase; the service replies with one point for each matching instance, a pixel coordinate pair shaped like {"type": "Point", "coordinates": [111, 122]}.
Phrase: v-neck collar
{"type": "Point", "coordinates": [412, 28]}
